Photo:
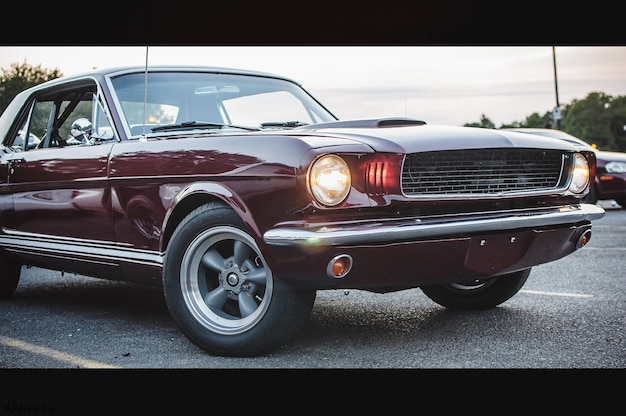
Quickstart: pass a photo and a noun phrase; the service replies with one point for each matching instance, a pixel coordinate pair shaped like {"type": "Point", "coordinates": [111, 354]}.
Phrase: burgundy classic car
{"type": "Point", "coordinates": [242, 196]}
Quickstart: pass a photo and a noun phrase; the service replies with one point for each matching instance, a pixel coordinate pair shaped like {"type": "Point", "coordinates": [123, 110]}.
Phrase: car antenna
{"type": "Point", "coordinates": [145, 99]}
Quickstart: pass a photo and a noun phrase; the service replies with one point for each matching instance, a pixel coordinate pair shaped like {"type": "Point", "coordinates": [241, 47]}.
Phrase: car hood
{"type": "Point", "coordinates": [402, 135]}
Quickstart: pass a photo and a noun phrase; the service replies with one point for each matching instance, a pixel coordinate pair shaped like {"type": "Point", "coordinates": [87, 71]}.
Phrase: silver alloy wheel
{"type": "Point", "coordinates": [224, 280]}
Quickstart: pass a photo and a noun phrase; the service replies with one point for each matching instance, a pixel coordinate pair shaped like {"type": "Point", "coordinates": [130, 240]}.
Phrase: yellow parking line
{"type": "Point", "coordinates": [54, 354]}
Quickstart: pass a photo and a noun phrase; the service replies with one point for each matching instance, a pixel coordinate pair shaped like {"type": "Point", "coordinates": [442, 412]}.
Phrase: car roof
{"type": "Point", "coordinates": [105, 72]}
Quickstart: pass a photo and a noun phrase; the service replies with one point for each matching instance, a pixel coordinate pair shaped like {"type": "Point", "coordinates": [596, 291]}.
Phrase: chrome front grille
{"type": "Point", "coordinates": [483, 171]}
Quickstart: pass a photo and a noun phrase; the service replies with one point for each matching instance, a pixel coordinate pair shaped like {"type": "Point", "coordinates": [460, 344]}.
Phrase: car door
{"type": "Point", "coordinates": [61, 205]}
{"type": "Point", "coordinates": [61, 192]}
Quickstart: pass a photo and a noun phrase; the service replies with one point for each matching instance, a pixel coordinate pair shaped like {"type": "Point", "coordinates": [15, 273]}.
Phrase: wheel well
{"type": "Point", "coordinates": [183, 208]}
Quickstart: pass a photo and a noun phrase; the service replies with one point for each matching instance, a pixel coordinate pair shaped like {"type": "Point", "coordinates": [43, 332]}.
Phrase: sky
{"type": "Point", "coordinates": [450, 85]}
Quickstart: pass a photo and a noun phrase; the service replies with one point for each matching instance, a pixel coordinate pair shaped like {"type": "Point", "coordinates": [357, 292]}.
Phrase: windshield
{"type": "Point", "coordinates": [203, 100]}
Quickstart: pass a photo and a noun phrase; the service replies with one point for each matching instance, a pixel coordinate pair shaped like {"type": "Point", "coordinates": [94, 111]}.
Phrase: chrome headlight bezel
{"type": "Point", "coordinates": [329, 180]}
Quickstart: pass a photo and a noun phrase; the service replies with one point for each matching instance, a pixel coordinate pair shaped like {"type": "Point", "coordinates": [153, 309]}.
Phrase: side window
{"type": "Point", "coordinates": [77, 127]}
{"type": "Point", "coordinates": [65, 117]}
{"type": "Point", "coordinates": [40, 117]}
{"type": "Point", "coordinates": [33, 128]}
{"type": "Point", "coordinates": [25, 140]}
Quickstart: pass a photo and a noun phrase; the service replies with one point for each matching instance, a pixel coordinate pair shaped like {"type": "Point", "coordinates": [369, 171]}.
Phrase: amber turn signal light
{"type": "Point", "coordinates": [339, 266]}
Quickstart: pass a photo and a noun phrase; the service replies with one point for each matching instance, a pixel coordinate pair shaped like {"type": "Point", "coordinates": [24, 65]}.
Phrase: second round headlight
{"type": "Point", "coordinates": [580, 176]}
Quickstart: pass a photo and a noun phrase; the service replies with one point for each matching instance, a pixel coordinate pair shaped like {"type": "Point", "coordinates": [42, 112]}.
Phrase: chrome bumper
{"type": "Point", "coordinates": [407, 230]}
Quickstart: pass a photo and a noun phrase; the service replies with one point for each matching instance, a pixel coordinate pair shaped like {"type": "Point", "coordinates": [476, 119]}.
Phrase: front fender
{"type": "Point", "coordinates": [195, 194]}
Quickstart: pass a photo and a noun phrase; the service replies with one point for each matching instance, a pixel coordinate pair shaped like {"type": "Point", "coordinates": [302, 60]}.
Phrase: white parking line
{"type": "Point", "coordinates": [571, 295]}
{"type": "Point", "coordinates": [54, 354]}
{"type": "Point", "coordinates": [605, 248]}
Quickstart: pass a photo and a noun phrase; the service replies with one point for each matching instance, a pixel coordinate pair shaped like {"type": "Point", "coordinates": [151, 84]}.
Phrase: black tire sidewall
{"type": "Point", "coordinates": [10, 271]}
{"type": "Point", "coordinates": [495, 292]}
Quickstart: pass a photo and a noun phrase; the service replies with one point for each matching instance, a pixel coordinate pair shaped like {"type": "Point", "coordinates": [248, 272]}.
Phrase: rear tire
{"type": "Point", "coordinates": [221, 292]}
{"type": "Point", "coordinates": [480, 294]}
{"type": "Point", "coordinates": [10, 270]}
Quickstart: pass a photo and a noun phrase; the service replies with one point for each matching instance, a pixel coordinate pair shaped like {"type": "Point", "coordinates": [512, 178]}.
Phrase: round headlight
{"type": "Point", "coordinates": [329, 180]}
{"type": "Point", "coordinates": [580, 176]}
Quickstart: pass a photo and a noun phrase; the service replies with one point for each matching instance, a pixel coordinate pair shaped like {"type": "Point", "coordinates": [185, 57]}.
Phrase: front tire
{"type": "Point", "coordinates": [478, 295]}
{"type": "Point", "coordinates": [221, 292]}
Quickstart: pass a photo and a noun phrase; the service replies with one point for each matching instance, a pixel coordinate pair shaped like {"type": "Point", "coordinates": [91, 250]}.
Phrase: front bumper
{"type": "Point", "coordinates": [417, 229]}
{"type": "Point", "coordinates": [398, 254]}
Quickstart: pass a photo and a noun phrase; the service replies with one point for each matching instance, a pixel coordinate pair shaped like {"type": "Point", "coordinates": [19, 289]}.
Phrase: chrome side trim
{"type": "Point", "coordinates": [76, 249]}
{"type": "Point", "coordinates": [417, 229]}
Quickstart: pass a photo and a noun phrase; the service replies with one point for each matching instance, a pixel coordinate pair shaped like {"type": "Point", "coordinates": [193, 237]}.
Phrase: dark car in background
{"type": "Point", "coordinates": [610, 178]}
{"type": "Point", "coordinates": [241, 196]}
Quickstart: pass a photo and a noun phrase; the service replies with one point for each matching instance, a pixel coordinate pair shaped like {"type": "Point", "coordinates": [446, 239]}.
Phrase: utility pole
{"type": "Point", "coordinates": [556, 114]}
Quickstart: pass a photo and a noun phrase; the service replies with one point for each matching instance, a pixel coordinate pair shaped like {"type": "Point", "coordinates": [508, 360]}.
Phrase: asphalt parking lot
{"type": "Point", "coordinates": [67, 321]}
{"type": "Point", "coordinates": [571, 314]}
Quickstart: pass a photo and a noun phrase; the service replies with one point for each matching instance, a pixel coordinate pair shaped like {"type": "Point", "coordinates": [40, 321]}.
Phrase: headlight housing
{"type": "Point", "coordinates": [615, 167]}
{"type": "Point", "coordinates": [329, 180]}
{"type": "Point", "coordinates": [580, 174]}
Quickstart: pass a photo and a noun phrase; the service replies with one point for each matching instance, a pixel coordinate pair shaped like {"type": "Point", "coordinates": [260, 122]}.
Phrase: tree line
{"type": "Point", "coordinates": [599, 118]}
